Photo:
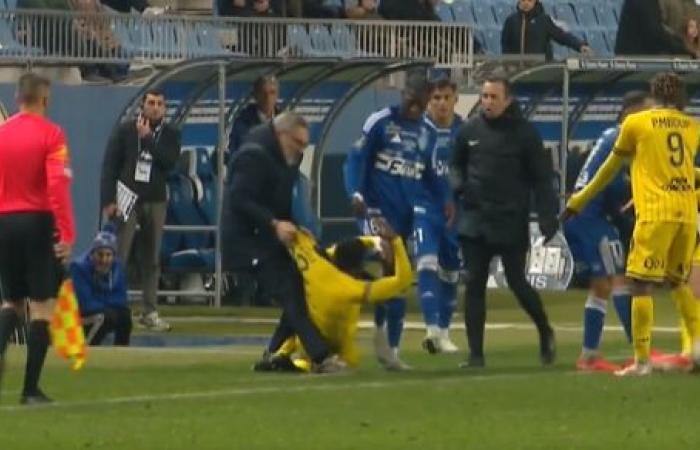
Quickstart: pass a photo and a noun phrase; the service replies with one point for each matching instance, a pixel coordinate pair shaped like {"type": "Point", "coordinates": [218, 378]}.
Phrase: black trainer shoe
{"type": "Point", "coordinates": [473, 362]}
{"type": "Point", "coordinates": [431, 345]}
{"type": "Point", "coordinates": [548, 347]}
{"type": "Point", "coordinates": [35, 398]}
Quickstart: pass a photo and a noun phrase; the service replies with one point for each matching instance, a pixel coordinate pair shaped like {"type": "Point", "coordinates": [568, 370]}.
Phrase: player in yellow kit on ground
{"type": "Point", "coordinates": [336, 287]}
{"type": "Point", "coordinates": [661, 144]}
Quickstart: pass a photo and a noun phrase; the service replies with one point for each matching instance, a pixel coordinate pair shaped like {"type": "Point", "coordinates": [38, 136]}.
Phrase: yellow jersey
{"type": "Point", "coordinates": [662, 144]}
{"type": "Point", "coordinates": [334, 298]}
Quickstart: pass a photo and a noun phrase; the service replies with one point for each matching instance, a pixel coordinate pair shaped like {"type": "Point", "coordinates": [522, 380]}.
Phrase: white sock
{"type": "Point", "coordinates": [444, 333]}
{"type": "Point", "coordinates": [395, 352]}
{"type": "Point", "coordinates": [432, 331]}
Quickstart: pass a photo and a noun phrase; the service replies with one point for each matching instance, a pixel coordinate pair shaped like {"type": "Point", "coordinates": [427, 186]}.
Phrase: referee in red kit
{"type": "Point", "coordinates": [37, 230]}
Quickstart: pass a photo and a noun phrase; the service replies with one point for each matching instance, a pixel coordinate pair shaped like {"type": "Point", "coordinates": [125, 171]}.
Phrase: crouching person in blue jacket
{"type": "Point", "coordinates": [100, 285]}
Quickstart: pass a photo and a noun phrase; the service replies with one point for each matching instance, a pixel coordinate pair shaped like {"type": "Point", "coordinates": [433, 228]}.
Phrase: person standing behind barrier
{"type": "Point", "coordinates": [140, 155]}
{"type": "Point", "coordinates": [257, 227]}
{"type": "Point", "coordinates": [498, 161]}
{"type": "Point", "coordinates": [266, 92]}
{"type": "Point", "coordinates": [35, 201]}
{"type": "Point", "coordinates": [530, 30]}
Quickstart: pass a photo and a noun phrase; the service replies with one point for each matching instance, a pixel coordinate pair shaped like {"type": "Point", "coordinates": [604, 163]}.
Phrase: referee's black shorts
{"type": "Point", "coordinates": [28, 266]}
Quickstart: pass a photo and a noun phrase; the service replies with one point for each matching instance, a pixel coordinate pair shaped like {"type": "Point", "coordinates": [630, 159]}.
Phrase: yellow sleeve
{"type": "Point", "coordinates": [388, 287]}
{"type": "Point", "coordinates": [288, 347]}
{"type": "Point", "coordinates": [602, 178]}
{"type": "Point", "coordinates": [626, 142]}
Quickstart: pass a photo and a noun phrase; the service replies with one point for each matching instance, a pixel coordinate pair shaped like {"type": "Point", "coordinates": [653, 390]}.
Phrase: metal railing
{"type": "Point", "coordinates": [71, 37]}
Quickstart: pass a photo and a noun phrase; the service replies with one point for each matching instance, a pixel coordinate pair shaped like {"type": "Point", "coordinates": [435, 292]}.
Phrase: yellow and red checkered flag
{"type": "Point", "coordinates": [66, 327]}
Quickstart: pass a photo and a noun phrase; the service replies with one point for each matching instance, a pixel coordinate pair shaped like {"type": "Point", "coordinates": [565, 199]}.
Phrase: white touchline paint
{"type": "Point", "coordinates": [236, 392]}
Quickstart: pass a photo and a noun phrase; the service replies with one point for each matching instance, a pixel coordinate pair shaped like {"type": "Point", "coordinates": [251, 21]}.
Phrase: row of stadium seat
{"type": "Point", "coordinates": [594, 20]}
{"type": "Point", "coordinates": [192, 201]}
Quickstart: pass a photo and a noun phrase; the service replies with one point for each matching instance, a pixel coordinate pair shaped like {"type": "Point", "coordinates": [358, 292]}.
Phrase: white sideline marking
{"type": "Point", "coordinates": [273, 390]}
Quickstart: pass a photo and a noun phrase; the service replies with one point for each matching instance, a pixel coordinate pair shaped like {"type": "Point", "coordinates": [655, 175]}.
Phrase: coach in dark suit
{"type": "Point", "coordinates": [498, 163]}
{"type": "Point", "coordinates": [257, 226]}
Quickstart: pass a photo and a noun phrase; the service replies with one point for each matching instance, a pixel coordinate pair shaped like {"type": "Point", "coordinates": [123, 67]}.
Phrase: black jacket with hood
{"type": "Point", "coordinates": [532, 33]}
{"type": "Point", "coordinates": [497, 166]}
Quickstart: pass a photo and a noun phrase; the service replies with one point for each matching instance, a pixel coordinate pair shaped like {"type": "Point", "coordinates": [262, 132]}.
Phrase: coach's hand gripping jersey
{"type": "Point", "coordinates": [334, 298]}
{"type": "Point", "coordinates": [387, 165]}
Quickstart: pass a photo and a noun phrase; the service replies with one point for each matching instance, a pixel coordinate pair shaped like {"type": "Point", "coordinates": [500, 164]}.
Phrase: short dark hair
{"type": "Point", "coordinates": [444, 83]}
{"type": "Point", "coordinates": [349, 255]}
{"type": "Point", "coordinates": [632, 99]}
{"type": "Point", "coordinates": [153, 92]}
{"type": "Point", "coordinates": [29, 87]}
{"type": "Point", "coordinates": [502, 78]}
{"type": "Point", "coordinates": [668, 88]}
{"type": "Point", "coordinates": [261, 81]}
{"type": "Point", "coordinates": [419, 84]}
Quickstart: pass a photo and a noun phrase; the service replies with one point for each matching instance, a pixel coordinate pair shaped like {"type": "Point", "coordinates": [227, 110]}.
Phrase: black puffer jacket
{"type": "Point", "coordinates": [641, 31]}
{"type": "Point", "coordinates": [497, 165]}
{"type": "Point", "coordinates": [538, 31]}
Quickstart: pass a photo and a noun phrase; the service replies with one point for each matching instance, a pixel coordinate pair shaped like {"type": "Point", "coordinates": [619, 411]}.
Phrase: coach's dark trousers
{"type": "Point", "coordinates": [279, 279]}
{"type": "Point", "coordinates": [478, 254]}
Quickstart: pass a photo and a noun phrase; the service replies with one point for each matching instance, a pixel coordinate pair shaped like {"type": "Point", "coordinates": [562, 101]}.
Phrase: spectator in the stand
{"type": "Point", "coordinates": [247, 8]}
{"type": "Point", "coordinates": [266, 91]}
{"type": "Point", "coordinates": [361, 9]}
{"type": "Point", "coordinates": [140, 155]}
{"type": "Point", "coordinates": [530, 31]}
{"type": "Point", "coordinates": [691, 38]}
{"type": "Point", "coordinates": [100, 285]}
{"type": "Point", "coordinates": [641, 31]}
{"type": "Point", "coordinates": [675, 14]}
{"type": "Point", "coordinates": [409, 10]}
{"type": "Point", "coordinates": [125, 6]}
{"type": "Point", "coordinates": [317, 9]}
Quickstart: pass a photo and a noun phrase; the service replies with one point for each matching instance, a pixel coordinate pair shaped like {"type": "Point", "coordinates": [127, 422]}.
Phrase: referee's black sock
{"type": "Point", "coordinates": [37, 345]}
{"type": "Point", "coordinates": [8, 323]}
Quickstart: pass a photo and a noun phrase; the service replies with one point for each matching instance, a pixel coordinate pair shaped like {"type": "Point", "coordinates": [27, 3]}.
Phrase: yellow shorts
{"type": "Point", "coordinates": [661, 251]}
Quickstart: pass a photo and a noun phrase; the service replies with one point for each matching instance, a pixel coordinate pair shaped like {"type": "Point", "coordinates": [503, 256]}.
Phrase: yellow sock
{"type": "Point", "coordinates": [642, 321]}
{"type": "Point", "coordinates": [688, 309]}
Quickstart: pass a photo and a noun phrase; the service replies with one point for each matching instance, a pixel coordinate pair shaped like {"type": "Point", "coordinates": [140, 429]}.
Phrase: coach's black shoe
{"type": "Point", "coordinates": [473, 362]}
{"type": "Point", "coordinates": [548, 347]}
{"type": "Point", "coordinates": [35, 399]}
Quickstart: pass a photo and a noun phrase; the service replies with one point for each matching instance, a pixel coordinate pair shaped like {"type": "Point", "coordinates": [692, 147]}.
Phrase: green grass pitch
{"type": "Point", "coordinates": [207, 397]}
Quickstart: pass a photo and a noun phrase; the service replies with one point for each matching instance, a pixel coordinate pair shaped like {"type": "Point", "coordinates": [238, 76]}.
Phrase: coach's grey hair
{"type": "Point", "coordinates": [288, 121]}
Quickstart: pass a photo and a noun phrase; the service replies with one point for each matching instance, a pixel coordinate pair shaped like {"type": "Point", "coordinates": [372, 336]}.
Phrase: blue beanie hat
{"type": "Point", "coordinates": [105, 239]}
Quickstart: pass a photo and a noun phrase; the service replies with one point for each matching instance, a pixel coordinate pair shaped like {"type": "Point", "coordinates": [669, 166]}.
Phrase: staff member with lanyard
{"type": "Point", "coordinates": [140, 155]}
{"type": "Point", "coordinates": [35, 201]}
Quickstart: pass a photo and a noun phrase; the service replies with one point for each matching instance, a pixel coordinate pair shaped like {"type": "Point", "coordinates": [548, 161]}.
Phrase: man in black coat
{"type": "Point", "coordinates": [641, 32]}
{"type": "Point", "coordinates": [140, 155]}
{"type": "Point", "coordinates": [530, 30]}
{"type": "Point", "coordinates": [498, 163]}
{"type": "Point", "coordinates": [257, 227]}
{"type": "Point", "coordinates": [266, 91]}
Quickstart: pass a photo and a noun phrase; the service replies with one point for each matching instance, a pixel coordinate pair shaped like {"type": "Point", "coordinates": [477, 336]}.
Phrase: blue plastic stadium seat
{"type": "Point", "coordinates": [484, 14]}
{"type": "Point", "coordinates": [502, 10]}
{"type": "Point", "coordinates": [565, 13]}
{"type": "Point", "coordinates": [206, 175]}
{"type": "Point", "coordinates": [585, 12]}
{"type": "Point", "coordinates": [343, 40]}
{"type": "Point", "coordinates": [321, 40]}
{"type": "Point", "coordinates": [445, 12]}
{"type": "Point", "coordinates": [299, 42]}
{"type": "Point", "coordinates": [490, 39]}
{"type": "Point", "coordinates": [607, 17]}
{"type": "Point", "coordinates": [611, 37]}
{"type": "Point", "coordinates": [208, 41]}
{"type": "Point", "coordinates": [598, 42]}
{"type": "Point", "coordinates": [463, 13]}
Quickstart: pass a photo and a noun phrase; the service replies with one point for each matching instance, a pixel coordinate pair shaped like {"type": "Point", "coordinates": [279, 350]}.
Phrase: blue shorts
{"type": "Point", "coordinates": [436, 246]}
{"type": "Point", "coordinates": [596, 247]}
